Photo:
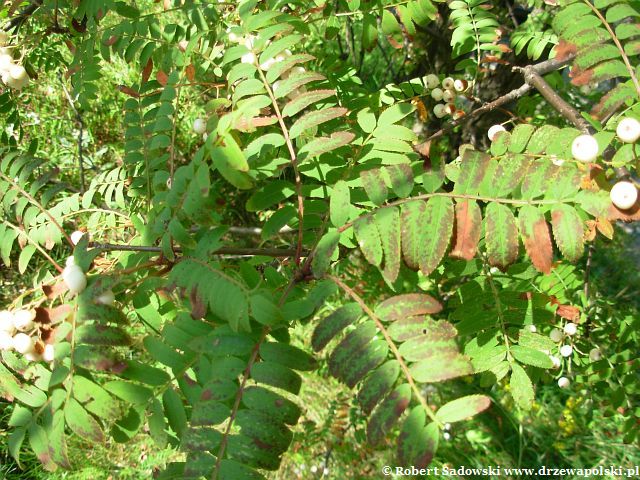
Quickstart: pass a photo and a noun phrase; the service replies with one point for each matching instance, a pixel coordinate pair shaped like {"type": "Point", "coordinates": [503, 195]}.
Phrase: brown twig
{"type": "Point", "coordinates": [253, 252]}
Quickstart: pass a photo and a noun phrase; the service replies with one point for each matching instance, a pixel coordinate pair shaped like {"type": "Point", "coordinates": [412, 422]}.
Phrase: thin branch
{"type": "Point", "coordinates": [250, 252]}
{"type": "Point", "coordinates": [21, 17]}
{"type": "Point", "coordinates": [390, 342]}
{"type": "Point", "coordinates": [541, 68]}
{"type": "Point", "coordinates": [78, 115]}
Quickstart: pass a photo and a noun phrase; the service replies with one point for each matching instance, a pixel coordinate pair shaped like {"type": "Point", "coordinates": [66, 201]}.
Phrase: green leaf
{"type": "Point", "coordinates": [530, 356]}
{"type": "Point", "coordinates": [276, 375]}
{"type": "Point", "coordinates": [387, 413]}
{"type": "Point", "coordinates": [367, 120]}
{"type": "Point", "coordinates": [521, 387]}
{"type": "Point", "coordinates": [417, 442]}
{"type": "Point", "coordinates": [395, 113]}
{"type": "Point", "coordinates": [388, 223]}
{"type": "Point", "coordinates": [463, 408]}
{"type": "Point", "coordinates": [174, 411]}
{"type": "Point", "coordinates": [129, 392]}
{"type": "Point", "coordinates": [333, 324]}
{"type": "Point", "coordinates": [369, 240]}
{"type": "Point", "coordinates": [287, 355]}
{"type": "Point", "coordinates": [25, 256]}
{"type": "Point", "coordinates": [377, 385]}
{"type": "Point", "coordinates": [81, 423]}
{"type": "Point", "coordinates": [302, 101]}
{"type": "Point", "coordinates": [339, 203]}
{"type": "Point", "coordinates": [520, 137]}
{"type": "Point", "coordinates": [568, 231]}
{"type": "Point", "coordinates": [375, 186]}
{"type": "Point", "coordinates": [413, 219]}
{"type": "Point", "coordinates": [501, 235]}
{"type": "Point", "coordinates": [439, 226]}
{"type": "Point", "coordinates": [321, 145]}
{"type": "Point", "coordinates": [324, 251]}
{"type": "Point", "coordinates": [314, 118]}
{"type": "Point", "coordinates": [408, 305]}
{"type": "Point", "coordinates": [401, 179]}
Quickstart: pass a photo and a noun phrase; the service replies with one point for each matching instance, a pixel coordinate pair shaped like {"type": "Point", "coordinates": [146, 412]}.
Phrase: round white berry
{"type": "Point", "coordinates": [624, 195]}
{"type": "Point", "coordinates": [447, 83]}
{"type": "Point", "coordinates": [532, 328]}
{"type": "Point", "coordinates": [76, 236]}
{"type": "Point", "coordinates": [585, 148]}
{"type": "Point", "coordinates": [266, 65]}
{"type": "Point", "coordinates": [23, 319]}
{"type": "Point", "coordinates": [446, 436]}
{"type": "Point", "coordinates": [6, 61]}
{"type": "Point", "coordinates": [6, 322]}
{"type": "Point", "coordinates": [460, 85]}
{"type": "Point", "coordinates": [106, 298]}
{"type": "Point", "coordinates": [48, 353]}
{"type": "Point", "coordinates": [23, 343]}
{"type": "Point", "coordinates": [628, 130]}
{"type": "Point", "coordinates": [555, 361]}
{"type": "Point", "coordinates": [199, 126]}
{"type": "Point", "coordinates": [6, 341]}
{"type": "Point", "coordinates": [555, 335]}
{"type": "Point", "coordinates": [313, 469]}
{"type": "Point", "coordinates": [436, 94]}
{"type": "Point", "coordinates": [325, 472]}
{"type": "Point", "coordinates": [448, 95]}
{"type": "Point", "coordinates": [234, 38]}
{"type": "Point", "coordinates": [432, 81]}
{"type": "Point", "coordinates": [447, 426]}
{"type": "Point", "coordinates": [566, 350]}
{"type": "Point", "coordinates": [563, 382]}
{"type": "Point", "coordinates": [494, 130]}
{"type": "Point", "coordinates": [18, 72]}
{"type": "Point", "coordinates": [70, 261]}
{"type": "Point", "coordinates": [440, 110]}
{"type": "Point", "coordinates": [74, 278]}
{"type": "Point", "coordinates": [595, 354]}
{"type": "Point", "coordinates": [570, 329]}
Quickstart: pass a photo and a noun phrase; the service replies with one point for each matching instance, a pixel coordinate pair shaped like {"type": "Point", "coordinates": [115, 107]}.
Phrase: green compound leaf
{"type": "Point", "coordinates": [501, 235]}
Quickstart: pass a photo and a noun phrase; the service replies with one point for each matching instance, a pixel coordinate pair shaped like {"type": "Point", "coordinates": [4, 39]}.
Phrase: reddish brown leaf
{"type": "Point", "coordinates": [198, 306]}
{"type": "Point", "coordinates": [191, 72]}
{"type": "Point", "coordinates": [467, 230]}
{"type": "Point", "coordinates": [568, 312]}
{"type": "Point", "coordinates": [70, 46]}
{"type": "Point", "coordinates": [411, 304]}
{"type": "Point", "coordinates": [162, 78]}
{"type": "Point", "coordinates": [128, 91]}
{"type": "Point", "coordinates": [630, 215]}
{"type": "Point", "coordinates": [580, 77]}
{"type": "Point", "coordinates": [146, 71]}
{"type": "Point", "coordinates": [111, 40]}
{"type": "Point", "coordinates": [605, 227]}
{"type": "Point", "coordinates": [564, 50]}
{"type": "Point", "coordinates": [536, 238]}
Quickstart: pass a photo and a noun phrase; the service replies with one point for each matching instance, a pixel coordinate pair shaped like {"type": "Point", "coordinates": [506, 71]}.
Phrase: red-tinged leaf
{"type": "Point", "coordinates": [303, 100]}
{"type": "Point", "coordinates": [314, 118]}
{"type": "Point", "coordinates": [417, 442]}
{"type": "Point", "coordinates": [438, 226]}
{"type": "Point", "coordinates": [146, 71]}
{"type": "Point", "coordinates": [81, 423]}
{"type": "Point", "coordinates": [536, 238]}
{"type": "Point", "coordinates": [374, 185]}
{"type": "Point", "coordinates": [388, 413]}
{"type": "Point", "coordinates": [162, 78]}
{"type": "Point", "coordinates": [467, 230]}
{"type": "Point", "coordinates": [409, 305]}
{"type": "Point", "coordinates": [472, 170]}
{"type": "Point", "coordinates": [629, 215]}
{"type": "Point", "coordinates": [568, 312]}
{"type": "Point", "coordinates": [568, 231]}
{"type": "Point", "coordinates": [412, 233]}
{"type": "Point", "coordinates": [128, 91]}
{"type": "Point", "coordinates": [388, 222]}
{"type": "Point", "coordinates": [501, 236]}
{"type": "Point", "coordinates": [190, 72]}
{"type": "Point", "coordinates": [111, 40]}
{"type": "Point", "coordinates": [369, 240]}
{"type": "Point", "coordinates": [463, 408]}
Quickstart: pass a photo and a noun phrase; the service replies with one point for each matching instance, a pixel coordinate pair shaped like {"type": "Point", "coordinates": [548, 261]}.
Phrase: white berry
{"type": "Point", "coordinates": [440, 110]}
{"type": "Point", "coordinates": [460, 85]}
{"type": "Point", "coordinates": [74, 278]}
{"type": "Point", "coordinates": [33, 356]}
{"type": "Point", "coordinates": [48, 353]}
{"type": "Point", "coordinates": [248, 58]}
{"type": "Point", "coordinates": [199, 126]}
{"type": "Point", "coordinates": [447, 83]}
{"type": "Point", "coordinates": [556, 361]}
{"type": "Point", "coordinates": [563, 382]}
{"type": "Point", "coordinates": [70, 261]}
{"type": "Point", "coordinates": [570, 328]}
{"type": "Point", "coordinates": [585, 148]}
{"type": "Point", "coordinates": [628, 130]}
{"type": "Point", "coordinates": [23, 343]}
{"type": "Point", "coordinates": [76, 236]}
{"type": "Point", "coordinates": [6, 341]}
{"type": "Point", "coordinates": [566, 350]}
{"type": "Point", "coordinates": [555, 335]}
{"type": "Point", "coordinates": [268, 64]}
{"type": "Point", "coordinates": [6, 322]}
{"type": "Point", "coordinates": [23, 319]}
{"type": "Point", "coordinates": [106, 298]}
{"type": "Point", "coordinates": [532, 328]}
{"type": "Point", "coordinates": [448, 95]}
{"type": "Point", "coordinates": [432, 81]}
{"type": "Point", "coordinates": [494, 130]}
{"type": "Point", "coordinates": [595, 354]}
{"type": "Point", "coordinates": [446, 436]}
{"type": "Point", "coordinates": [624, 195]}
{"type": "Point", "coordinates": [436, 94]}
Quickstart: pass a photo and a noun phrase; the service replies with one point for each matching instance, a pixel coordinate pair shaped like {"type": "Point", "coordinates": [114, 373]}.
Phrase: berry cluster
{"type": "Point", "coordinates": [13, 74]}
{"type": "Point", "coordinates": [448, 93]}
{"type": "Point", "coordinates": [20, 332]}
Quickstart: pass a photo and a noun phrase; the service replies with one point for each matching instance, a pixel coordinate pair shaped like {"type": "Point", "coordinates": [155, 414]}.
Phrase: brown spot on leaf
{"type": "Point", "coordinates": [564, 50]}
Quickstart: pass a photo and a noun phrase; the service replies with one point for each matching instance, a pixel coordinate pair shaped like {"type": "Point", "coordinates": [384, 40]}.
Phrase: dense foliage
{"type": "Point", "coordinates": [265, 165]}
